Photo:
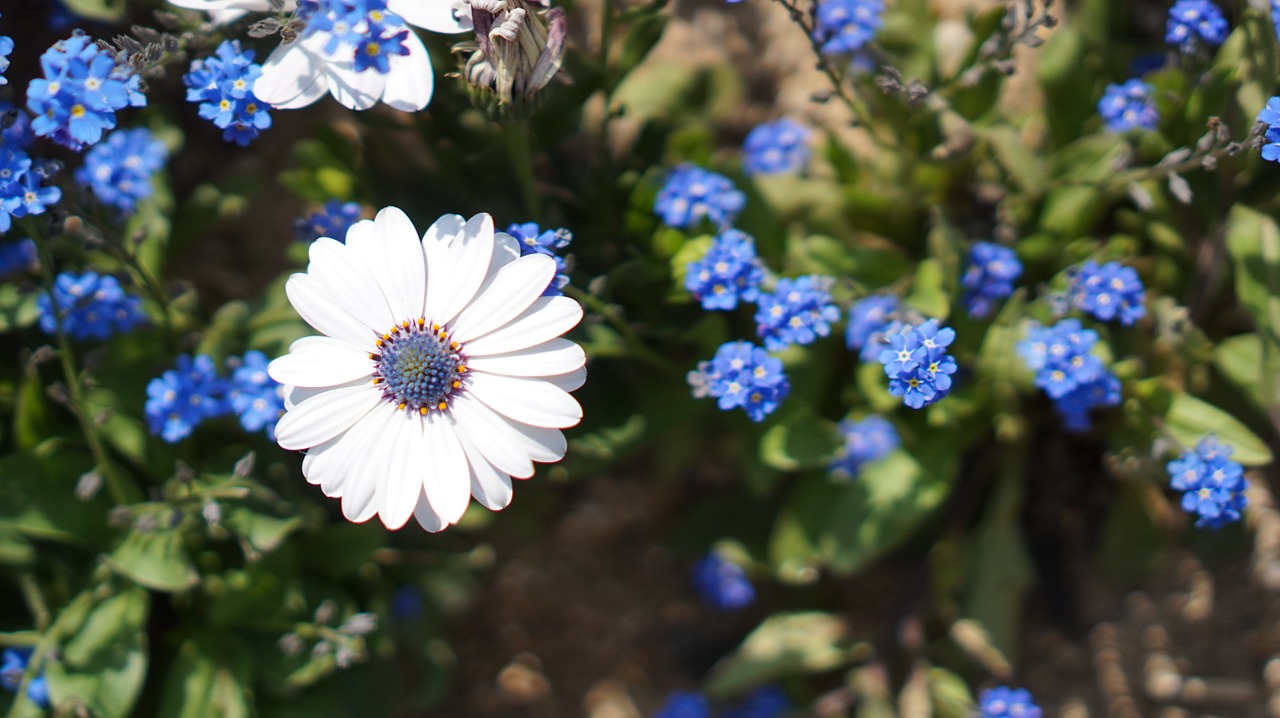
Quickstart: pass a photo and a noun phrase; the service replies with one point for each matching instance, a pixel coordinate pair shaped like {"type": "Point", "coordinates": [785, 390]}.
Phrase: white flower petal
{"type": "Point", "coordinates": [410, 80]}
{"type": "Point", "coordinates": [348, 279]}
{"type": "Point", "coordinates": [325, 415]}
{"type": "Point", "coordinates": [320, 362]}
{"type": "Point", "coordinates": [569, 381]}
{"type": "Point", "coordinates": [426, 516]}
{"type": "Point", "coordinates": [444, 16]}
{"type": "Point", "coordinates": [311, 300]}
{"type": "Point", "coordinates": [292, 77]}
{"type": "Point", "coordinates": [510, 291]}
{"type": "Point", "coordinates": [493, 437]}
{"type": "Point", "coordinates": [468, 256]}
{"type": "Point", "coordinates": [360, 236]}
{"type": "Point", "coordinates": [400, 256]}
{"type": "Point", "coordinates": [558, 356]}
{"type": "Point", "coordinates": [544, 320]}
{"type": "Point", "coordinates": [352, 88]}
{"type": "Point", "coordinates": [528, 401]}
{"type": "Point", "coordinates": [489, 486]}
{"type": "Point", "coordinates": [506, 250]}
{"type": "Point", "coordinates": [448, 479]}
{"type": "Point", "coordinates": [360, 491]}
{"type": "Point", "coordinates": [401, 456]}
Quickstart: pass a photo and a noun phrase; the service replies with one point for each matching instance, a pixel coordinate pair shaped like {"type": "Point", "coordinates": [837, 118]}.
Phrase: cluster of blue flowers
{"type": "Point", "coordinates": [1271, 116]}
{"type": "Point", "coordinates": [870, 318]}
{"type": "Point", "coordinates": [332, 221]}
{"type": "Point", "coordinates": [364, 28]}
{"type": "Point", "coordinates": [722, 584]}
{"type": "Point", "coordinates": [1074, 378]}
{"type": "Point", "coordinates": [6, 49]}
{"type": "Point", "coordinates": [864, 441]}
{"type": "Point", "coordinates": [223, 85]}
{"type": "Point", "coordinates": [1108, 291]}
{"type": "Point", "coordinates": [1193, 23]}
{"type": "Point", "coordinates": [729, 272]}
{"type": "Point", "coordinates": [82, 89]}
{"type": "Point", "coordinates": [797, 312]}
{"type": "Point", "coordinates": [534, 240]}
{"type": "Point", "coordinates": [843, 27]}
{"type": "Point", "coordinates": [692, 193]}
{"type": "Point", "coordinates": [742, 375]}
{"type": "Point", "coordinates": [765, 702]}
{"type": "Point", "coordinates": [917, 363]}
{"type": "Point", "coordinates": [988, 277]}
{"type": "Point", "coordinates": [1005, 702]}
{"type": "Point", "coordinates": [776, 147]}
{"type": "Point", "coordinates": [92, 306]}
{"type": "Point", "coordinates": [13, 666]}
{"type": "Point", "coordinates": [118, 171]}
{"type": "Point", "coordinates": [16, 256]}
{"type": "Point", "coordinates": [1213, 485]}
{"type": "Point", "coordinates": [22, 186]}
{"type": "Point", "coordinates": [182, 398]}
{"type": "Point", "coordinates": [1129, 106]}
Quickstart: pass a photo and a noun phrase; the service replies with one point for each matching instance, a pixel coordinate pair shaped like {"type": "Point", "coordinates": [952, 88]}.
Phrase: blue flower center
{"type": "Point", "coordinates": [418, 367]}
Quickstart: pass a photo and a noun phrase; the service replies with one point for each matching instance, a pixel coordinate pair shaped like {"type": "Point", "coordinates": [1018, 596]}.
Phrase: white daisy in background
{"type": "Point", "coordinates": [441, 373]}
{"type": "Point", "coordinates": [359, 52]}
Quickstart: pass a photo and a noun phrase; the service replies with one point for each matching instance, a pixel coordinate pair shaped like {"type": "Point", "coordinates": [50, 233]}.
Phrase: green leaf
{"type": "Point", "coordinates": [803, 440]}
{"type": "Point", "coordinates": [951, 696]}
{"type": "Point", "coordinates": [642, 34]}
{"type": "Point", "coordinates": [692, 250]}
{"type": "Point", "coordinates": [101, 10]}
{"type": "Point", "coordinates": [200, 686]}
{"type": "Point", "coordinates": [104, 663]}
{"type": "Point", "coordinates": [1248, 57]}
{"type": "Point", "coordinates": [928, 292]}
{"type": "Point", "coordinates": [783, 645]}
{"type": "Point", "coordinates": [18, 309]}
{"type": "Point", "coordinates": [1189, 419]}
{"type": "Point", "coordinates": [1246, 362]}
{"type": "Point", "coordinates": [263, 532]}
{"type": "Point", "coordinates": [156, 559]}
{"type": "Point", "coordinates": [1253, 241]}
{"type": "Point", "coordinates": [36, 498]}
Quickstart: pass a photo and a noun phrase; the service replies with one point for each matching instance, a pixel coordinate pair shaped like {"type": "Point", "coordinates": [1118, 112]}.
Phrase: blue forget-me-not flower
{"type": "Point", "coordinates": [917, 363]}
{"type": "Point", "coordinates": [16, 256]}
{"type": "Point", "coordinates": [729, 272]}
{"type": "Point", "coordinates": [1213, 485]}
{"type": "Point", "coordinates": [92, 306]}
{"type": "Point", "coordinates": [223, 85]}
{"type": "Point", "coordinates": [13, 666]}
{"type": "Point", "coordinates": [685, 704]}
{"type": "Point", "coordinates": [1006, 702]}
{"type": "Point", "coordinates": [332, 221]}
{"type": "Point", "coordinates": [988, 277]}
{"type": "Point", "coordinates": [22, 189]}
{"type": "Point", "coordinates": [742, 375]}
{"type": "Point", "coordinates": [843, 27]}
{"type": "Point", "coordinates": [1064, 367]}
{"type": "Point", "coordinates": [182, 398]}
{"type": "Point", "coordinates": [869, 318]}
{"type": "Point", "coordinates": [80, 93]}
{"type": "Point", "coordinates": [864, 441]}
{"type": "Point", "coordinates": [254, 396]}
{"type": "Point", "coordinates": [535, 240]}
{"type": "Point", "coordinates": [692, 193]}
{"type": "Point", "coordinates": [118, 171]}
{"type": "Point", "coordinates": [798, 311]}
{"type": "Point", "coordinates": [1193, 23]}
{"type": "Point", "coordinates": [776, 147]}
{"type": "Point", "coordinates": [1108, 291]}
{"type": "Point", "coordinates": [1271, 115]}
{"type": "Point", "coordinates": [722, 584]}
{"type": "Point", "coordinates": [1129, 106]}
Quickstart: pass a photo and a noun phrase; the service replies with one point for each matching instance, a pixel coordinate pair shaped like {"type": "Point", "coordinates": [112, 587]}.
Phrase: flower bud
{"type": "Point", "coordinates": [518, 49]}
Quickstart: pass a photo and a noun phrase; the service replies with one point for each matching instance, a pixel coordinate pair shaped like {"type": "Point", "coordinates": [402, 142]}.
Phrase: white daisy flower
{"type": "Point", "coordinates": [440, 375]}
{"type": "Point", "coordinates": [322, 60]}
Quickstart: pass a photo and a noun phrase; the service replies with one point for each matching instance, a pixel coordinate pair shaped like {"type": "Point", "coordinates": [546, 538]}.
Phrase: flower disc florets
{"type": "Point", "coordinates": [417, 367]}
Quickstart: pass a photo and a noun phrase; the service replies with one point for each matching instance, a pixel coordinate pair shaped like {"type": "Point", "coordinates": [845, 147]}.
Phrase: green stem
{"type": "Point", "coordinates": [119, 247]}
{"type": "Point", "coordinates": [516, 136]}
{"type": "Point", "coordinates": [35, 600]}
{"type": "Point", "coordinates": [36, 662]}
{"type": "Point", "coordinates": [121, 491]}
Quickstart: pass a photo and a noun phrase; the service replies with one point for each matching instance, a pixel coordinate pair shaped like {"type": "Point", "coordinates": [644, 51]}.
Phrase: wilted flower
{"type": "Point", "coordinates": [518, 49]}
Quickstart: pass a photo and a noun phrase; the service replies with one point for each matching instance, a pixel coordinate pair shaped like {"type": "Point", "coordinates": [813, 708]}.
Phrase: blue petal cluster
{"type": "Point", "coordinates": [1213, 485]}
{"type": "Point", "coordinates": [80, 93]}
{"type": "Point", "coordinates": [361, 31]}
{"type": "Point", "coordinates": [692, 193]}
{"type": "Point", "coordinates": [864, 441]}
{"type": "Point", "coordinates": [917, 363]}
{"type": "Point", "coordinates": [988, 277]}
{"type": "Point", "coordinates": [92, 306]}
{"type": "Point", "coordinates": [1108, 291]}
{"type": "Point", "coordinates": [17, 135]}
{"type": "Point", "coordinates": [182, 398]}
{"type": "Point", "coordinates": [843, 27]}
{"type": "Point", "coordinates": [223, 85]}
{"type": "Point", "coordinates": [869, 319]}
{"type": "Point", "coordinates": [1068, 372]}
{"type": "Point", "coordinates": [332, 221]}
{"type": "Point", "coordinates": [776, 147]}
{"type": "Point", "coordinates": [254, 396]}
{"type": "Point", "coordinates": [1129, 106]}
{"type": "Point", "coordinates": [13, 665]}
{"type": "Point", "coordinates": [118, 171]}
{"type": "Point", "coordinates": [764, 702]}
{"type": "Point", "coordinates": [16, 256]}
{"type": "Point", "coordinates": [1275, 16]}
{"type": "Point", "coordinates": [685, 704]}
{"type": "Point", "coordinates": [722, 584]}
{"type": "Point", "coordinates": [1271, 116]}
{"type": "Point", "coordinates": [1192, 22]}
{"type": "Point", "coordinates": [534, 240]}
{"type": "Point", "coordinates": [22, 186]}
{"type": "Point", "coordinates": [797, 312]}
{"type": "Point", "coordinates": [1005, 702]}
{"type": "Point", "coordinates": [729, 272]}
{"type": "Point", "coordinates": [6, 49]}
{"type": "Point", "coordinates": [742, 375]}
